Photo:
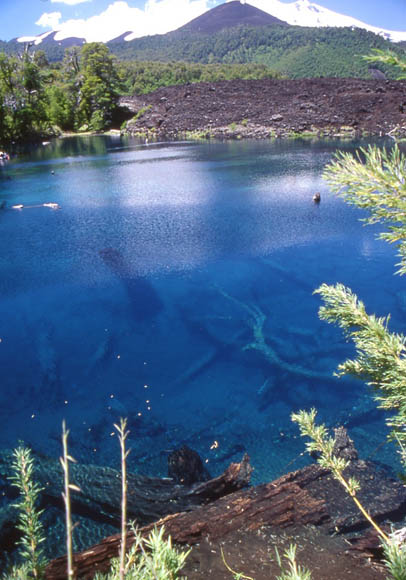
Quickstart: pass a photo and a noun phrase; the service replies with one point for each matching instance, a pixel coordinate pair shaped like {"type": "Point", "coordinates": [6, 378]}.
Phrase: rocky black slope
{"type": "Point", "coordinates": [273, 107]}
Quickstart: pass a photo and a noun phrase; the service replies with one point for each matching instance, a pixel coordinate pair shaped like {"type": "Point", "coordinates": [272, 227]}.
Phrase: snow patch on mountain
{"type": "Point", "coordinates": [161, 16]}
{"type": "Point", "coordinates": [35, 39]}
{"type": "Point", "coordinates": [307, 13]}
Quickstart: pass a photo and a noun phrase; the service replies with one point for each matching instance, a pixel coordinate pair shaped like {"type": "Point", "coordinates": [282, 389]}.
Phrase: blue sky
{"type": "Point", "coordinates": [32, 17]}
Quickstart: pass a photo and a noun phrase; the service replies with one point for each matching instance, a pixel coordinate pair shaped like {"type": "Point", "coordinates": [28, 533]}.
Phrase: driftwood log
{"type": "Point", "coordinates": [280, 503]}
{"type": "Point", "coordinates": [307, 496]}
{"type": "Point", "coordinates": [149, 498]}
{"type": "Point", "coordinates": [368, 545]}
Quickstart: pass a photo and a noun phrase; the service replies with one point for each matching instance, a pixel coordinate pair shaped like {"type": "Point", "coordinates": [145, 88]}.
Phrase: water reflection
{"type": "Point", "coordinates": [186, 270]}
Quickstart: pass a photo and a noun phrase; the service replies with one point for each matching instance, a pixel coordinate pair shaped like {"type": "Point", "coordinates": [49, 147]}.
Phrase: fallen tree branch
{"type": "Point", "coordinates": [280, 503]}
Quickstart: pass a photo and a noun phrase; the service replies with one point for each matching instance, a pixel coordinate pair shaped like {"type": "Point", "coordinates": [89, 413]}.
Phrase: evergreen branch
{"type": "Point", "coordinates": [393, 545]}
{"type": "Point", "coordinates": [29, 522]}
{"type": "Point", "coordinates": [380, 355]}
{"type": "Point", "coordinates": [294, 572]}
{"type": "Point", "coordinates": [374, 180]}
{"type": "Point", "coordinates": [324, 445]}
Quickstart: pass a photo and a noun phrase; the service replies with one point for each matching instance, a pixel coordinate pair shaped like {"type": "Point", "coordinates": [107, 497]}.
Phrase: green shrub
{"type": "Point", "coordinates": [151, 558]}
{"type": "Point", "coordinates": [29, 522]}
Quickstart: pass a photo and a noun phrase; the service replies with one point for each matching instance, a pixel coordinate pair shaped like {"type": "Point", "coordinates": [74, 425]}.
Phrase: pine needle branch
{"type": "Point", "coordinates": [374, 180]}
{"type": "Point", "coordinates": [380, 354]}
{"type": "Point", "coordinates": [324, 445]}
{"type": "Point", "coordinates": [29, 522]}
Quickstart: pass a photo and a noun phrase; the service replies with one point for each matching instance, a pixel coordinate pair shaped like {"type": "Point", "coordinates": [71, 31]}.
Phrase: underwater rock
{"type": "Point", "coordinates": [344, 446]}
{"type": "Point", "coordinates": [102, 353]}
{"type": "Point", "coordinates": [185, 466]}
{"type": "Point", "coordinates": [144, 300]}
{"type": "Point", "coordinates": [9, 534]}
{"type": "Point", "coordinates": [363, 414]}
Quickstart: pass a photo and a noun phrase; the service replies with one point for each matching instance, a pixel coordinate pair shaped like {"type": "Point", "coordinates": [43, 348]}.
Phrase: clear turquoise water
{"type": "Point", "coordinates": [139, 297]}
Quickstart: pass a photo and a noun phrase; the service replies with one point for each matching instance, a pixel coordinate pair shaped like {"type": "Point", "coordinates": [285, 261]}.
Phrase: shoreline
{"type": "Point", "coordinates": [317, 108]}
{"type": "Point", "coordinates": [270, 108]}
{"type": "Point", "coordinates": [263, 133]}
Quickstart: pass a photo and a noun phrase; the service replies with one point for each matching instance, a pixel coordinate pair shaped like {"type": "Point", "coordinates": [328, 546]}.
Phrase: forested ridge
{"type": "Point", "coordinates": [293, 51]}
{"type": "Point", "coordinates": [42, 94]}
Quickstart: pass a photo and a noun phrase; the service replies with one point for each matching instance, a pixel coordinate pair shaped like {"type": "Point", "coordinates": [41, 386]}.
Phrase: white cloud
{"type": "Point", "coordinates": [164, 15]}
{"type": "Point", "coordinates": [115, 20]}
{"type": "Point", "coordinates": [157, 17]}
{"type": "Point", "coordinates": [49, 20]}
{"type": "Point", "coordinates": [69, 2]}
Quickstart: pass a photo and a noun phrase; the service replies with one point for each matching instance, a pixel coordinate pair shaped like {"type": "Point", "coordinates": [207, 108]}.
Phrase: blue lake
{"type": "Point", "coordinates": [174, 287]}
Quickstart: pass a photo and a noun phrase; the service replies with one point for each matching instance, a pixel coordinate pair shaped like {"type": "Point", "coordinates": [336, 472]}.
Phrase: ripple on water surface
{"type": "Point", "coordinates": [174, 287]}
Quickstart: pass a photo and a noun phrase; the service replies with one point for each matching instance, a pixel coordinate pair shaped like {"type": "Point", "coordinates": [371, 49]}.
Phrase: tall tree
{"type": "Point", "coordinates": [99, 86]}
{"type": "Point", "coordinates": [23, 96]}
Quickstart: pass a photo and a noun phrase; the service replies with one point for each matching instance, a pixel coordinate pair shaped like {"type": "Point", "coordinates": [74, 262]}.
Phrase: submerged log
{"type": "Point", "coordinates": [148, 498]}
{"type": "Point", "coordinates": [144, 299]}
{"type": "Point", "coordinates": [256, 320]}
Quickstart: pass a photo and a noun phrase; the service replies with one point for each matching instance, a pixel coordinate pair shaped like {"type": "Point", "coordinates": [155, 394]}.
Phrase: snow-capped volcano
{"type": "Point", "coordinates": [306, 13]}
{"type": "Point", "coordinates": [120, 18]}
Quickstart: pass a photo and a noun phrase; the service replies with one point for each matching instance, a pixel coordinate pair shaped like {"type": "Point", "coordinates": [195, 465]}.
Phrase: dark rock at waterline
{"type": "Point", "coordinates": [272, 108]}
{"type": "Point", "coordinates": [185, 466]}
{"type": "Point", "coordinates": [344, 446]}
{"type": "Point", "coordinates": [144, 300]}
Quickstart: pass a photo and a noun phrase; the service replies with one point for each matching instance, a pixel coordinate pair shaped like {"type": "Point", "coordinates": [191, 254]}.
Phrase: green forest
{"type": "Point", "coordinates": [293, 51]}
{"type": "Point", "coordinates": [46, 92]}
{"type": "Point", "coordinates": [81, 92]}
{"type": "Point", "coordinates": [37, 99]}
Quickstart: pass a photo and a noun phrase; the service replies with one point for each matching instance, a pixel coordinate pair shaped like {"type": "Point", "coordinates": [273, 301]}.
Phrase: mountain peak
{"type": "Point", "coordinates": [230, 15]}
